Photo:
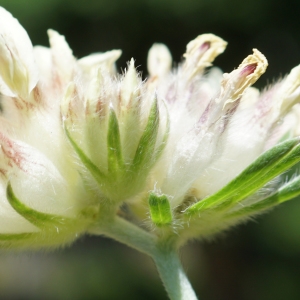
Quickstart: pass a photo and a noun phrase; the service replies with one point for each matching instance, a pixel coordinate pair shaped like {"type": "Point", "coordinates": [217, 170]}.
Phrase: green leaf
{"type": "Point", "coordinates": [114, 149]}
{"type": "Point", "coordinates": [94, 170]}
{"type": "Point", "coordinates": [39, 219]}
{"type": "Point", "coordinates": [146, 146]}
{"type": "Point", "coordinates": [269, 165]}
{"type": "Point", "coordinates": [160, 210]}
{"type": "Point", "coordinates": [287, 192]}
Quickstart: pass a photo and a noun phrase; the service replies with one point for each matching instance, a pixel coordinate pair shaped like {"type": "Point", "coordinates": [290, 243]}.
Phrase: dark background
{"type": "Point", "coordinates": [260, 260]}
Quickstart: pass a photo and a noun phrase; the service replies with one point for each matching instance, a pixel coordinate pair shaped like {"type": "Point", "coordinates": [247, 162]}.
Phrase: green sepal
{"type": "Point", "coordinates": [163, 143]}
{"type": "Point", "coordinates": [269, 165]}
{"type": "Point", "coordinates": [160, 210]}
{"type": "Point", "coordinates": [16, 236]}
{"type": "Point", "coordinates": [114, 149]}
{"type": "Point", "coordinates": [285, 193]}
{"type": "Point", "coordinates": [145, 149]}
{"type": "Point", "coordinates": [38, 219]}
{"type": "Point", "coordinates": [94, 170]}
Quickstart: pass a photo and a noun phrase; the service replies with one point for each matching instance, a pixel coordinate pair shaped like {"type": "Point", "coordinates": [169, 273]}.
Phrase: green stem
{"type": "Point", "coordinates": [173, 277]}
{"type": "Point", "coordinates": [164, 255]}
{"type": "Point", "coordinates": [126, 233]}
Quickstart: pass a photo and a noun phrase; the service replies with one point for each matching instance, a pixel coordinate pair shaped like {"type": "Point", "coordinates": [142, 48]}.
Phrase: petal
{"type": "Point", "coordinates": [38, 181]}
{"type": "Point", "coordinates": [288, 94]}
{"type": "Point", "coordinates": [159, 60]}
{"type": "Point", "coordinates": [63, 59]}
{"type": "Point", "coordinates": [17, 67]}
{"type": "Point", "coordinates": [44, 62]}
{"type": "Point", "coordinates": [104, 61]}
{"type": "Point", "coordinates": [201, 52]}
{"type": "Point", "coordinates": [235, 83]}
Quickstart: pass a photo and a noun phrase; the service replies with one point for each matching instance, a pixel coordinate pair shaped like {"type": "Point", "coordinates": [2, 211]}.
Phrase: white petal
{"type": "Point", "coordinates": [17, 65]}
{"type": "Point", "coordinates": [159, 60]}
{"type": "Point", "coordinates": [104, 60]}
{"type": "Point", "coordinates": [62, 56]}
{"type": "Point", "coordinates": [44, 62]}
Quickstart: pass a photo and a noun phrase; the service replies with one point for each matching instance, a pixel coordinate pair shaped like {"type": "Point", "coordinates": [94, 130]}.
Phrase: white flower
{"type": "Point", "coordinates": [185, 147]}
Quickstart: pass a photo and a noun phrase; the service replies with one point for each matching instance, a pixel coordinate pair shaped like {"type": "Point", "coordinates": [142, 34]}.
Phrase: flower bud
{"type": "Point", "coordinates": [160, 211]}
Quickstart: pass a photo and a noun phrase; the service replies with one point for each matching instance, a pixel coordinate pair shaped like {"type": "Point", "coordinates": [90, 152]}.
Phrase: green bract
{"type": "Point", "coordinates": [269, 165]}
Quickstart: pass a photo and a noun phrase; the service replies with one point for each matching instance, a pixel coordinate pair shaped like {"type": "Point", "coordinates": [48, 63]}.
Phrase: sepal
{"type": "Point", "coordinates": [114, 149]}
{"type": "Point", "coordinates": [38, 219]}
{"type": "Point", "coordinates": [146, 147]}
{"type": "Point", "coordinates": [94, 170]}
{"type": "Point", "coordinates": [118, 176]}
{"type": "Point", "coordinates": [51, 230]}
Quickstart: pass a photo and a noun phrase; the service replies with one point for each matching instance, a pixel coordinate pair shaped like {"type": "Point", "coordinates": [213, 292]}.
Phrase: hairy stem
{"type": "Point", "coordinates": [162, 252]}
{"type": "Point", "coordinates": [173, 277]}
{"type": "Point", "coordinates": [126, 233]}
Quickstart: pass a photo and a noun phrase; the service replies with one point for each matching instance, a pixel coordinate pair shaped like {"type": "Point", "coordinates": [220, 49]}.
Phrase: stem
{"type": "Point", "coordinates": [165, 257]}
{"type": "Point", "coordinates": [173, 277]}
{"type": "Point", "coordinates": [127, 233]}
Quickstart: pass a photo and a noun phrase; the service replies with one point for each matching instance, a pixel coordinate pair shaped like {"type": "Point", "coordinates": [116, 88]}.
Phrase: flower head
{"type": "Point", "coordinates": [194, 150]}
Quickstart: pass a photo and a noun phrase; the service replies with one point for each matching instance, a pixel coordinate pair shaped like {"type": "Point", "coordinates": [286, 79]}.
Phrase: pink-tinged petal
{"type": "Point", "coordinates": [17, 66]}
{"type": "Point", "coordinates": [235, 83]}
{"type": "Point", "coordinates": [201, 52]}
{"type": "Point", "coordinates": [34, 176]}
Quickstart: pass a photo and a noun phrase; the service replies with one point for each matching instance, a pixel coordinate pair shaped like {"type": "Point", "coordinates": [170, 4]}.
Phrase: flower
{"type": "Point", "coordinates": [192, 150]}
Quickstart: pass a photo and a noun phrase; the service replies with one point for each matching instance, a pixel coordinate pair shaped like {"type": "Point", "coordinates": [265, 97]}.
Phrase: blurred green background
{"type": "Point", "coordinates": [260, 260]}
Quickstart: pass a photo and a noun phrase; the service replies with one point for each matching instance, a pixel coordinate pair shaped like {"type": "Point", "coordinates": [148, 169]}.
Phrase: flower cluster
{"type": "Point", "coordinates": [191, 150]}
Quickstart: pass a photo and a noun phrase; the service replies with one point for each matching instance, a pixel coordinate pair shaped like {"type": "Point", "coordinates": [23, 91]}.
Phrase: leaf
{"type": "Point", "coordinates": [285, 193]}
{"type": "Point", "coordinates": [269, 165]}
{"type": "Point", "coordinates": [160, 210]}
